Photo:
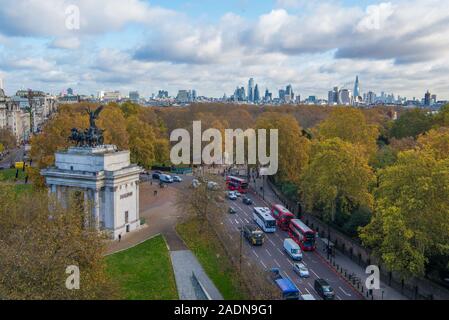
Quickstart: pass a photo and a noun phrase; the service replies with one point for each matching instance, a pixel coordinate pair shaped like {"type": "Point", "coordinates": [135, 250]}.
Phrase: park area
{"type": "Point", "coordinates": [144, 272]}
{"type": "Point", "coordinates": [9, 176]}
{"type": "Point", "coordinates": [212, 257]}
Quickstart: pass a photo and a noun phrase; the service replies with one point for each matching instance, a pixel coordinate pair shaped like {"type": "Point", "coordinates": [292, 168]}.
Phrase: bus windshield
{"type": "Point", "coordinates": [270, 223]}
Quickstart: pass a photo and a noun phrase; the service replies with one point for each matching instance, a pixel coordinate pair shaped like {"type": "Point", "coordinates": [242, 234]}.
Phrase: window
{"type": "Point", "coordinates": [126, 216]}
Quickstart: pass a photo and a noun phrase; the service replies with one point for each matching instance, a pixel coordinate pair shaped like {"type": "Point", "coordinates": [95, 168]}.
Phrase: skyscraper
{"type": "Point", "coordinates": [251, 90]}
{"type": "Point", "coordinates": [356, 87]}
{"type": "Point", "coordinates": [256, 94]}
{"type": "Point", "coordinates": [427, 99]}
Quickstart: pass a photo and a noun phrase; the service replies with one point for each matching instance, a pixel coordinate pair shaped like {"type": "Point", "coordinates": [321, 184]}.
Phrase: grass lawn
{"type": "Point", "coordinates": [144, 272]}
{"type": "Point", "coordinates": [10, 174]}
{"type": "Point", "coordinates": [212, 257]}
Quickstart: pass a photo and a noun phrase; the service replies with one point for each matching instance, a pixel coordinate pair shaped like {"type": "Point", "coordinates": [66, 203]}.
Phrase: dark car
{"type": "Point", "coordinates": [324, 289]}
{"type": "Point", "coordinates": [156, 175]}
{"type": "Point", "coordinates": [253, 234]}
{"type": "Point", "coordinates": [232, 210]}
{"type": "Point", "coordinates": [247, 201]}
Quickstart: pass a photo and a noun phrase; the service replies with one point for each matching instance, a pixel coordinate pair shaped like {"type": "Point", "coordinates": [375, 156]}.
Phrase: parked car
{"type": "Point", "coordinates": [307, 297]}
{"type": "Point", "coordinates": [238, 194]}
{"type": "Point", "coordinates": [166, 178]}
{"type": "Point", "coordinates": [292, 249]}
{"type": "Point", "coordinates": [177, 179]}
{"type": "Point", "coordinates": [212, 185]}
{"type": "Point", "coordinates": [155, 175]}
{"type": "Point", "coordinates": [324, 289]}
{"type": "Point", "coordinates": [301, 270]}
{"type": "Point", "coordinates": [195, 183]}
{"type": "Point", "coordinates": [247, 201]}
{"type": "Point", "coordinates": [232, 196]}
{"type": "Point", "coordinates": [253, 234]}
{"type": "Point", "coordinates": [231, 210]}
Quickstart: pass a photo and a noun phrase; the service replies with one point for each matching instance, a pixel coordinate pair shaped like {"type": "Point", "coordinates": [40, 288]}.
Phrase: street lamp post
{"type": "Point", "coordinates": [240, 256]}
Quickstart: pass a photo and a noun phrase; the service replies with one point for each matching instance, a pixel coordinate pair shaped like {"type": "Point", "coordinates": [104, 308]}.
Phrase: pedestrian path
{"type": "Point", "coordinates": [384, 292]}
{"type": "Point", "coordinates": [191, 279]}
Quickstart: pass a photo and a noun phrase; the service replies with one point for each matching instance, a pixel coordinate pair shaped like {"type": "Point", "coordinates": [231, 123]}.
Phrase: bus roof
{"type": "Point", "coordinates": [282, 209]}
{"type": "Point", "coordinates": [286, 285]}
{"type": "Point", "coordinates": [301, 225]}
{"type": "Point", "coordinates": [264, 212]}
{"type": "Point", "coordinates": [236, 178]}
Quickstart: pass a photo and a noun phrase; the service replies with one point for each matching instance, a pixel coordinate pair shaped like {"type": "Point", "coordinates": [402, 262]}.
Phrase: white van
{"type": "Point", "coordinates": [165, 178]}
{"type": "Point", "coordinates": [292, 249]}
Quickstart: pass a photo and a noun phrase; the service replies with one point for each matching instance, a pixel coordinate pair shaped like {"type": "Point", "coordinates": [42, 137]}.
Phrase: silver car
{"type": "Point", "coordinates": [301, 270]}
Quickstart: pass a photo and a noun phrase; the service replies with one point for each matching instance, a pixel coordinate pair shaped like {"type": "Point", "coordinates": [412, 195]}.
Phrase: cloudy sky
{"type": "Point", "coordinates": [213, 46]}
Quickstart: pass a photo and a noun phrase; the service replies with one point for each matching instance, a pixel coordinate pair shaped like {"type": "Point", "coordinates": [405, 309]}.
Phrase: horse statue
{"type": "Point", "coordinates": [91, 137]}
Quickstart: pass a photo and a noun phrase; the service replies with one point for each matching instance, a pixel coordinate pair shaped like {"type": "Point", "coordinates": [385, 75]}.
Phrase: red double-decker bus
{"type": "Point", "coordinates": [236, 184]}
{"type": "Point", "coordinates": [302, 235]}
{"type": "Point", "coordinates": [282, 216]}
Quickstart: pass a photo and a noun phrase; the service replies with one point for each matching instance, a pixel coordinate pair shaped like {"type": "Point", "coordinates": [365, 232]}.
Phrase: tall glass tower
{"type": "Point", "coordinates": [356, 87]}
{"type": "Point", "coordinates": [251, 90]}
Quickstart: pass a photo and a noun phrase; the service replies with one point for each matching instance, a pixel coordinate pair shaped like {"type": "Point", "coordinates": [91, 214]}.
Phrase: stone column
{"type": "Point", "coordinates": [86, 208]}
{"type": "Point", "coordinates": [96, 208]}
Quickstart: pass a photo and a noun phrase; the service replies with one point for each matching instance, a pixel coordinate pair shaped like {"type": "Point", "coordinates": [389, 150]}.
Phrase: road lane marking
{"type": "Point", "coordinates": [275, 261]}
{"type": "Point", "coordinates": [310, 285]}
{"type": "Point", "coordinates": [315, 273]}
{"type": "Point", "coordinates": [246, 220]}
{"type": "Point", "coordinates": [271, 242]}
{"type": "Point", "coordinates": [280, 251]}
{"type": "Point", "coordinates": [255, 253]}
{"type": "Point", "coordinates": [263, 264]}
{"type": "Point", "coordinates": [339, 297]}
{"type": "Point", "coordinates": [290, 262]}
{"type": "Point", "coordinates": [268, 252]}
{"type": "Point", "coordinates": [347, 294]}
{"type": "Point", "coordinates": [236, 221]}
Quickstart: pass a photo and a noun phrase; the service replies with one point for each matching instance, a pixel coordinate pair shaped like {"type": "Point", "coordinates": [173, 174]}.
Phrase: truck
{"type": "Point", "coordinates": [289, 290]}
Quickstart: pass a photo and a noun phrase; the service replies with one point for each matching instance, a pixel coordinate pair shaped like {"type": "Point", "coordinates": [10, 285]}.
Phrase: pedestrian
{"type": "Point", "coordinates": [119, 237]}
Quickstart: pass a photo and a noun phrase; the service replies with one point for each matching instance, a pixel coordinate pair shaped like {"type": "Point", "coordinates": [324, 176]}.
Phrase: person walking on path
{"type": "Point", "coordinates": [119, 237]}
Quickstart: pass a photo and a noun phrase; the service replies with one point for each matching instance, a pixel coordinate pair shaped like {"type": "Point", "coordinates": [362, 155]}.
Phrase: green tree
{"type": "Point", "coordinates": [411, 123]}
{"type": "Point", "coordinates": [293, 147]}
{"type": "Point", "coordinates": [441, 119]}
{"type": "Point", "coordinates": [338, 173]}
{"type": "Point", "coordinates": [350, 125]}
{"type": "Point", "coordinates": [411, 221]}
{"type": "Point", "coordinates": [39, 239]}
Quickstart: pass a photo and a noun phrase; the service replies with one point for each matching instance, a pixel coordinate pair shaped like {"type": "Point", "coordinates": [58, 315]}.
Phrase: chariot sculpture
{"type": "Point", "coordinates": [92, 136]}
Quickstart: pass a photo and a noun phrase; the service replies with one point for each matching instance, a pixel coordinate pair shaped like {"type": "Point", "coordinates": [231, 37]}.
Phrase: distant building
{"type": "Point", "coordinates": [345, 97]}
{"type": "Point", "coordinates": [194, 95]}
{"type": "Point", "coordinates": [427, 99]}
{"type": "Point", "coordinates": [256, 94]}
{"type": "Point", "coordinates": [134, 96]}
{"type": "Point", "coordinates": [110, 96]}
{"type": "Point", "coordinates": [282, 95]}
{"type": "Point", "coordinates": [357, 87]}
{"type": "Point", "coordinates": [70, 92]}
{"type": "Point", "coordinates": [183, 96]}
{"type": "Point", "coordinates": [251, 90]}
{"type": "Point", "coordinates": [162, 94]}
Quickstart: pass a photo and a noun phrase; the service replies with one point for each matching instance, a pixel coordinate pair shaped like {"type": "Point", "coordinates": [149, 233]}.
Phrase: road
{"type": "Point", "coordinates": [14, 155]}
{"type": "Point", "coordinates": [271, 254]}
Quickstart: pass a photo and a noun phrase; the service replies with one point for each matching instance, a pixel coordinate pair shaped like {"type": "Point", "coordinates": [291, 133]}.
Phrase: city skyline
{"type": "Point", "coordinates": [146, 47]}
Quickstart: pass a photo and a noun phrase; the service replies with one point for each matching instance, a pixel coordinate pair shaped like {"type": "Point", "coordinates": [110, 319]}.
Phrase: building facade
{"type": "Point", "coordinates": [105, 180]}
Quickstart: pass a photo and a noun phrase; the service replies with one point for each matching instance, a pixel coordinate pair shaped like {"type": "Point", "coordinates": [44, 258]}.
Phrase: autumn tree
{"type": "Point", "coordinates": [350, 125]}
{"type": "Point", "coordinates": [7, 139]}
{"type": "Point", "coordinates": [436, 142]}
{"type": "Point", "coordinates": [411, 123]}
{"type": "Point", "coordinates": [441, 119]}
{"type": "Point", "coordinates": [39, 239]}
{"type": "Point", "coordinates": [293, 147]}
{"type": "Point", "coordinates": [338, 174]}
{"type": "Point", "coordinates": [411, 221]}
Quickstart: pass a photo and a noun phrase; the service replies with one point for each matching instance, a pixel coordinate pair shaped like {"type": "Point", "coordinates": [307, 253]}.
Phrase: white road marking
{"type": "Point", "coordinates": [263, 264]}
{"type": "Point", "coordinates": [280, 251]}
{"type": "Point", "coordinates": [347, 294]}
{"type": "Point", "coordinates": [271, 242]}
{"type": "Point", "coordinates": [236, 221]}
{"type": "Point", "coordinates": [314, 273]}
{"type": "Point", "coordinates": [255, 253]}
{"type": "Point", "coordinates": [311, 285]}
{"type": "Point", "coordinates": [290, 262]}
{"type": "Point", "coordinates": [339, 298]}
{"type": "Point", "coordinates": [268, 252]}
{"type": "Point", "coordinates": [230, 220]}
{"type": "Point", "coordinates": [246, 220]}
{"type": "Point", "coordinates": [275, 261]}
